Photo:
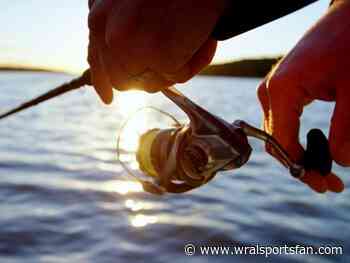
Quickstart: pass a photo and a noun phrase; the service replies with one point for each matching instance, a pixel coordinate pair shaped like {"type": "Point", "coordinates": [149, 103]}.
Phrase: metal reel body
{"type": "Point", "coordinates": [184, 160]}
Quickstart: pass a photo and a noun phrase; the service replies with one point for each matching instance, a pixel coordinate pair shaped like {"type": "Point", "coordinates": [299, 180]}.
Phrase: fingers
{"type": "Point", "coordinates": [151, 80]}
{"type": "Point", "coordinates": [285, 110]}
{"type": "Point", "coordinates": [321, 184]}
{"type": "Point", "coordinates": [159, 44]}
{"type": "Point", "coordinates": [286, 132]}
{"type": "Point", "coordinates": [200, 59]}
{"type": "Point", "coordinates": [203, 56]}
{"type": "Point", "coordinates": [315, 181]}
{"type": "Point", "coordinates": [149, 46]}
{"type": "Point", "coordinates": [339, 136]}
{"type": "Point", "coordinates": [99, 77]}
{"type": "Point", "coordinates": [282, 103]}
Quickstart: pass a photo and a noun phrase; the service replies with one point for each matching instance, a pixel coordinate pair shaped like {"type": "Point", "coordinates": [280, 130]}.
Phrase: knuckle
{"type": "Point", "coordinates": [282, 83]}
{"type": "Point", "coordinates": [286, 93]}
{"type": "Point", "coordinates": [275, 84]}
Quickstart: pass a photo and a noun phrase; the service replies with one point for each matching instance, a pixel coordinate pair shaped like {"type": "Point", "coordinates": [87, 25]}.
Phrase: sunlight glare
{"type": "Point", "coordinates": [143, 220]}
{"type": "Point", "coordinates": [123, 187]}
{"type": "Point", "coordinates": [129, 101]}
{"type": "Point", "coordinates": [131, 134]}
{"type": "Point", "coordinates": [134, 206]}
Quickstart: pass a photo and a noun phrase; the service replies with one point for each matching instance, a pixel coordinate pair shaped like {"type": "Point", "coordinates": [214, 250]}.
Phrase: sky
{"type": "Point", "coordinates": [54, 34]}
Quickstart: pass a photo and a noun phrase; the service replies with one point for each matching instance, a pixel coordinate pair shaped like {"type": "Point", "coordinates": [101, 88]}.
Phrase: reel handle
{"type": "Point", "coordinates": [317, 155]}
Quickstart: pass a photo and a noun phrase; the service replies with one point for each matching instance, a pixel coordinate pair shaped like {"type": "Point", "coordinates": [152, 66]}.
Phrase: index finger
{"type": "Point", "coordinates": [285, 108]}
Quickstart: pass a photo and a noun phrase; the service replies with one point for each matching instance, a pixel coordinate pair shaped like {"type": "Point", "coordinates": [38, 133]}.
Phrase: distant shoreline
{"type": "Point", "coordinates": [243, 68]}
{"type": "Point", "coordinates": [29, 69]}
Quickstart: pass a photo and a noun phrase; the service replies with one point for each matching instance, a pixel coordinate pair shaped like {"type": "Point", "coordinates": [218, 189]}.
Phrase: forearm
{"type": "Point", "coordinates": [242, 15]}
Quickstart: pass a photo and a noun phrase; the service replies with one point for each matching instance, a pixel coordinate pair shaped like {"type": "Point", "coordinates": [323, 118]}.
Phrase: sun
{"type": "Point", "coordinates": [128, 102]}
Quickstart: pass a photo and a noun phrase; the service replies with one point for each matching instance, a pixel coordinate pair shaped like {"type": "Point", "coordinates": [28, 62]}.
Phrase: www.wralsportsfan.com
{"type": "Point", "coordinates": [266, 251]}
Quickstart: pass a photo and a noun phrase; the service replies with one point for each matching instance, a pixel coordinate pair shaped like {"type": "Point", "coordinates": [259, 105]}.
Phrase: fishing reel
{"type": "Point", "coordinates": [180, 158]}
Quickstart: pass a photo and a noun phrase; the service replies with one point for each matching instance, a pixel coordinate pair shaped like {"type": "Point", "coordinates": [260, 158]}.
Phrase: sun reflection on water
{"type": "Point", "coordinates": [141, 220]}
{"type": "Point", "coordinates": [133, 205]}
{"type": "Point", "coordinates": [138, 122]}
{"type": "Point", "coordinates": [123, 187]}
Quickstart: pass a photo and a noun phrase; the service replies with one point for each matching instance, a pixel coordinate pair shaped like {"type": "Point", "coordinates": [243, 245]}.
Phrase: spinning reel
{"type": "Point", "coordinates": [187, 156]}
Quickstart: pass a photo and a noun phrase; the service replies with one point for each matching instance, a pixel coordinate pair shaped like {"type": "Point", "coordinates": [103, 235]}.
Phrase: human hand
{"type": "Point", "coordinates": [149, 45]}
{"type": "Point", "coordinates": [316, 69]}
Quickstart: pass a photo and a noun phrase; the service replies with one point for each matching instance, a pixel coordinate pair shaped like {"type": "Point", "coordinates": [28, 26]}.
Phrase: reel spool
{"type": "Point", "coordinates": [138, 130]}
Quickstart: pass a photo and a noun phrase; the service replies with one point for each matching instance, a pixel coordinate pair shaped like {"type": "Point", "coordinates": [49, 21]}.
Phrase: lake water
{"type": "Point", "coordinates": [65, 198]}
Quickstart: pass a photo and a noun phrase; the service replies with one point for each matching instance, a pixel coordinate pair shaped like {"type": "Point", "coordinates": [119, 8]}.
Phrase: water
{"type": "Point", "coordinates": [64, 198]}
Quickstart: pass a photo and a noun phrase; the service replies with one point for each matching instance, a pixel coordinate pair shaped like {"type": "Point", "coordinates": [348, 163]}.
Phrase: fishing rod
{"type": "Point", "coordinates": [186, 156]}
{"type": "Point", "coordinates": [84, 79]}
